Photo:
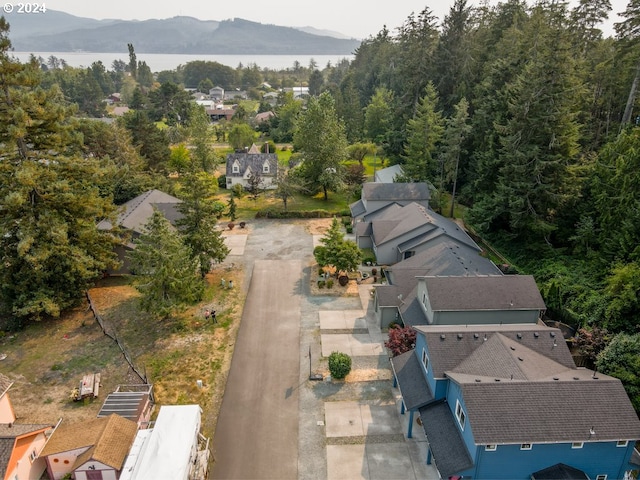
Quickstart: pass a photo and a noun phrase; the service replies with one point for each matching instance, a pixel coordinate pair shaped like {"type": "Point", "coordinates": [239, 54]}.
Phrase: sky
{"type": "Point", "coordinates": [357, 19]}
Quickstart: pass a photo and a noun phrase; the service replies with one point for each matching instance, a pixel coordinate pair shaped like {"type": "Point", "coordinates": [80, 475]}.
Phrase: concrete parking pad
{"type": "Point", "coordinates": [389, 460]}
{"type": "Point", "coordinates": [342, 319]}
{"type": "Point", "coordinates": [353, 419]}
{"type": "Point", "coordinates": [357, 345]}
{"type": "Point", "coordinates": [347, 462]}
{"type": "Point", "coordinates": [343, 419]}
{"type": "Point", "coordinates": [236, 243]}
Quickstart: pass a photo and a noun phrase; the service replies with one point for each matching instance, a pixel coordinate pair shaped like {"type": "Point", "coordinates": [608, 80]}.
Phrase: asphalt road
{"type": "Point", "coordinates": [257, 431]}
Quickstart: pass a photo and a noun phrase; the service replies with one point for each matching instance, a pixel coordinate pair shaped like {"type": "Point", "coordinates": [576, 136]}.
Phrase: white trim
{"type": "Point", "coordinates": [526, 446]}
{"type": "Point", "coordinates": [460, 415]}
{"type": "Point", "coordinates": [602, 476]}
{"type": "Point", "coordinates": [622, 443]}
{"type": "Point", "coordinates": [576, 445]}
{"type": "Point", "coordinates": [492, 447]}
{"type": "Point", "coordinates": [425, 359]}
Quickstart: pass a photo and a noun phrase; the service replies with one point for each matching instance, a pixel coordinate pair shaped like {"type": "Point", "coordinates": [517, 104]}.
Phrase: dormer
{"type": "Point", "coordinates": [235, 168]}
{"type": "Point", "coordinates": [265, 167]}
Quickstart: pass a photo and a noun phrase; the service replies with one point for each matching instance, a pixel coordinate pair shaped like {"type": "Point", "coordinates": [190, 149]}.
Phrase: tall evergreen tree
{"type": "Point", "coordinates": [166, 269]}
{"type": "Point", "coordinates": [50, 205]}
{"type": "Point", "coordinates": [424, 132]}
{"type": "Point", "coordinates": [198, 223]}
{"type": "Point", "coordinates": [320, 138]}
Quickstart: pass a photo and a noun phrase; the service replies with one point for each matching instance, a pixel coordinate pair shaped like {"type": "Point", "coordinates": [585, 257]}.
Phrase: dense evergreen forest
{"type": "Point", "coordinates": [525, 113]}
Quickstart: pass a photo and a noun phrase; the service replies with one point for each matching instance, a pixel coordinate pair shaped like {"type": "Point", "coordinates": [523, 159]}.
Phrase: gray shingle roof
{"type": "Point", "coordinates": [563, 410]}
{"type": "Point", "coordinates": [8, 437]}
{"type": "Point", "coordinates": [413, 386]}
{"type": "Point", "coordinates": [461, 342]}
{"type": "Point", "coordinates": [136, 212]}
{"type": "Point", "coordinates": [412, 217]}
{"type": "Point", "coordinates": [395, 191]}
{"type": "Point", "coordinates": [252, 161]}
{"type": "Point", "coordinates": [388, 175]}
{"type": "Point", "coordinates": [508, 292]}
{"type": "Point", "coordinates": [446, 444]}
{"type": "Point", "coordinates": [560, 471]}
{"type": "Point", "coordinates": [357, 208]}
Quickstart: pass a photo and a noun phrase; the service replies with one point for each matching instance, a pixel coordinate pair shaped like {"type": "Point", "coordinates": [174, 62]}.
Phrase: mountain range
{"type": "Point", "coordinates": [56, 31]}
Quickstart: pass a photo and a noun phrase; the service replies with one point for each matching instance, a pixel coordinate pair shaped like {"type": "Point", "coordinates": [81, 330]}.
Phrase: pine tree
{"type": "Point", "coordinates": [198, 223]}
{"type": "Point", "coordinates": [50, 203]}
{"type": "Point", "coordinates": [166, 269]}
{"type": "Point", "coordinates": [424, 132]}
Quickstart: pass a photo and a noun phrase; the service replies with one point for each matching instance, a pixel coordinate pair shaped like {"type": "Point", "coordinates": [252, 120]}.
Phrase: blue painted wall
{"type": "Point", "coordinates": [509, 462]}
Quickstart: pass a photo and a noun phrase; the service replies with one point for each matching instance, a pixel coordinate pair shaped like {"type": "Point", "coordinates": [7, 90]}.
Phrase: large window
{"type": "Point", "coordinates": [425, 360]}
{"type": "Point", "coordinates": [460, 415]}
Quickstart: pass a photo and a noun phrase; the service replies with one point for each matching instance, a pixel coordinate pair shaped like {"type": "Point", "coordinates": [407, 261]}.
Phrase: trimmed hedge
{"type": "Point", "coordinates": [268, 213]}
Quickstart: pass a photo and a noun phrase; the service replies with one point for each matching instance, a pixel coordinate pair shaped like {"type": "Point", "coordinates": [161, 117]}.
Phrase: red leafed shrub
{"type": "Point", "coordinates": [401, 340]}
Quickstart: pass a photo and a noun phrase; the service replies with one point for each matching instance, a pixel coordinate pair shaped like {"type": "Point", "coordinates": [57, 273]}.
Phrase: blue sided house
{"type": "Point", "coordinates": [508, 402]}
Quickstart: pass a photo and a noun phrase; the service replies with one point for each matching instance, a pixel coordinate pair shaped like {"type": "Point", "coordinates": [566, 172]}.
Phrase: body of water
{"type": "Point", "coordinates": [159, 61]}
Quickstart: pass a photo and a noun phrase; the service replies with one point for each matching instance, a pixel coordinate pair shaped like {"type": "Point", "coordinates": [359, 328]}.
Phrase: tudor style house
{"type": "Point", "coordinates": [507, 402]}
{"type": "Point", "coordinates": [241, 167]}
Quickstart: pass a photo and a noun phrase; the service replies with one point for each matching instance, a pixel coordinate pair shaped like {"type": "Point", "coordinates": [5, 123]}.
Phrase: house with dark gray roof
{"type": "Point", "coordinates": [497, 299]}
{"type": "Point", "coordinates": [133, 216]}
{"type": "Point", "coordinates": [396, 300]}
{"type": "Point", "coordinates": [396, 232]}
{"type": "Point", "coordinates": [377, 195]}
{"type": "Point", "coordinates": [241, 167]}
{"type": "Point", "coordinates": [507, 401]}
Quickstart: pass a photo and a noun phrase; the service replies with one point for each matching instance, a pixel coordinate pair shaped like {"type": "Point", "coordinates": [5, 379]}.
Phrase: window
{"type": "Point", "coordinates": [622, 443]}
{"type": "Point", "coordinates": [235, 168]}
{"type": "Point", "coordinates": [577, 445]}
{"type": "Point", "coordinates": [525, 446]}
{"type": "Point", "coordinates": [601, 477]}
{"type": "Point", "coordinates": [425, 360]}
{"type": "Point", "coordinates": [265, 168]}
{"type": "Point", "coordinates": [33, 455]}
{"type": "Point", "coordinates": [491, 447]}
{"type": "Point", "coordinates": [460, 414]}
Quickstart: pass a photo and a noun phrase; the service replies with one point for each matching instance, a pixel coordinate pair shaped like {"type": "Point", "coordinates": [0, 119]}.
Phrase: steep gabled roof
{"type": "Point", "coordinates": [494, 292]}
{"type": "Point", "coordinates": [252, 160]}
{"type": "Point", "coordinates": [559, 471]}
{"type": "Point", "coordinates": [108, 440]}
{"type": "Point", "coordinates": [136, 212]}
{"type": "Point", "coordinates": [409, 218]}
{"type": "Point", "coordinates": [373, 191]}
{"type": "Point", "coordinates": [5, 384]}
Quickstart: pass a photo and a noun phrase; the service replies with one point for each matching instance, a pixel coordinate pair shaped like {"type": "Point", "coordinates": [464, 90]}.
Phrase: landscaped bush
{"type": "Point", "coordinates": [238, 190]}
{"type": "Point", "coordinates": [222, 181]}
{"type": "Point", "coordinates": [368, 261]}
{"type": "Point", "coordinates": [231, 225]}
{"type": "Point", "coordinates": [343, 280]}
{"type": "Point", "coordinates": [330, 283]}
{"type": "Point", "coordinates": [339, 365]}
{"type": "Point", "coordinates": [401, 340]}
{"type": "Point", "coordinates": [321, 283]}
{"type": "Point", "coordinates": [242, 224]}
{"type": "Point", "coordinates": [346, 221]}
{"type": "Point", "coordinates": [349, 228]}
{"type": "Point", "coordinates": [374, 271]}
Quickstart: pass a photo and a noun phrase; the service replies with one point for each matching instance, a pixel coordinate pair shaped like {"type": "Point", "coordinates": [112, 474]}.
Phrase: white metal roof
{"type": "Point", "coordinates": [165, 453]}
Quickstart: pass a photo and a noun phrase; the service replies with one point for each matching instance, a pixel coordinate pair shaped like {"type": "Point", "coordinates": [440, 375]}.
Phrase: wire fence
{"type": "Point", "coordinates": [109, 331]}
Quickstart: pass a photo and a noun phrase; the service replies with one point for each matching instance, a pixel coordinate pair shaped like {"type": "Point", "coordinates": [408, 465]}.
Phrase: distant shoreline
{"type": "Point", "coordinates": [158, 62]}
